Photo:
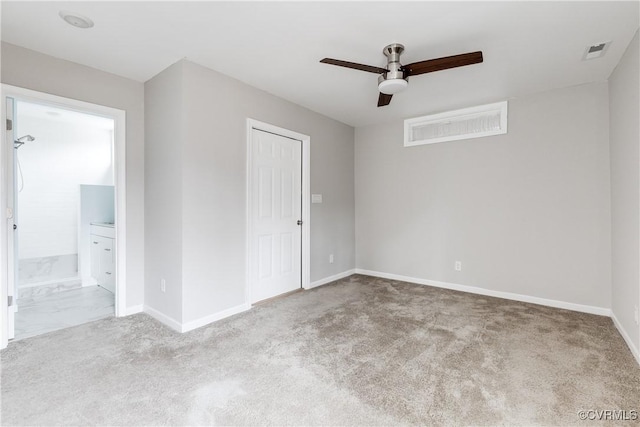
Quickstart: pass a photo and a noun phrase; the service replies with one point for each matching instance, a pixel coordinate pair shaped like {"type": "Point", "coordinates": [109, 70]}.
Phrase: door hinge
{"type": "Point", "coordinates": [299, 222]}
{"type": "Point", "coordinates": [10, 300]}
{"type": "Point", "coordinates": [9, 124]}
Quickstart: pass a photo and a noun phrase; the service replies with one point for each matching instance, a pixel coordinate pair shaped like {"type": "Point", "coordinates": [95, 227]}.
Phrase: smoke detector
{"type": "Point", "coordinates": [595, 51]}
{"type": "Point", "coordinates": [75, 19]}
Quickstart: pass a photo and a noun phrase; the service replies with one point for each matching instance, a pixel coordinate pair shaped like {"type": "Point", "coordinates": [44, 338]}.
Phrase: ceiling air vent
{"type": "Point", "coordinates": [595, 51]}
{"type": "Point", "coordinates": [473, 122]}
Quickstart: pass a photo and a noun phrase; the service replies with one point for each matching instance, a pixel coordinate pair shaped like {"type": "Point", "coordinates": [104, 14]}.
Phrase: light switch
{"type": "Point", "coordinates": [316, 198]}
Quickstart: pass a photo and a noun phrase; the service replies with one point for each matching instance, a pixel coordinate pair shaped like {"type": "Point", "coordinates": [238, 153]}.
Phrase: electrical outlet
{"type": "Point", "coordinates": [163, 285]}
{"type": "Point", "coordinates": [635, 315]}
{"type": "Point", "coordinates": [458, 266]}
{"type": "Point", "coordinates": [330, 258]}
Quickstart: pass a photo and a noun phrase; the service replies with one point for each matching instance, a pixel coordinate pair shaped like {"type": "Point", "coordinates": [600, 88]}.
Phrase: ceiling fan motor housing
{"type": "Point", "coordinates": [393, 81]}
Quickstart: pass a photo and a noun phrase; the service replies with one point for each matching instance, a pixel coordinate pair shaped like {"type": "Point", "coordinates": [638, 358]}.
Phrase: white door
{"type": "Point", "coordinates": [276, 214]}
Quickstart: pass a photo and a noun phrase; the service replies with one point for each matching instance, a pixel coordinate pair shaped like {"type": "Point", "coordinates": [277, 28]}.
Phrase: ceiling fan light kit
{"type": "Point", "coordinates": [395, 77]}
{"type": "Point", "coordinates": [391, 86]}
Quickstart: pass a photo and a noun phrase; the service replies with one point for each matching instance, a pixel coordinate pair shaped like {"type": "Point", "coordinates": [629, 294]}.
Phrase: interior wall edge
{"type": "Point", "coordinates": [183, 327]}
{"type": "Point", "coordinates": [626, 337]}
{"type": "Point", "coordinates": [624, 128]}
{"type": "Point", "coordinates": [134, 309]}
{"type": "Point", "coordinates": [206, 320]}
{"type": "Point", "coordinates": [330, 279]}
{"type": "Point", "coordinates": [163, 318]}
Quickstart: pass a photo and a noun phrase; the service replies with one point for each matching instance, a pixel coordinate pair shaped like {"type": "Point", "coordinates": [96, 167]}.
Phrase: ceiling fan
{"type": "Point", "coordinates": [394, 78]}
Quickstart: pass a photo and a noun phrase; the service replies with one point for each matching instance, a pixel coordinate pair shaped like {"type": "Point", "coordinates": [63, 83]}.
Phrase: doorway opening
{"type": "Point", "coordinates": [64, 215]}
{"type": "Point", "coordinates": [64, 196]}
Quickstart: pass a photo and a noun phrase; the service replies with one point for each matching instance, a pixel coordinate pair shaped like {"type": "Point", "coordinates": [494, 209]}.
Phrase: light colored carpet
{"type": "Point", "coordinates": [361, 351]}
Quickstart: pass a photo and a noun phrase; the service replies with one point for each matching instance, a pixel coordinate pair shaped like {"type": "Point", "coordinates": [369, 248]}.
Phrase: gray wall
{"type": "Point", "coordinates": [164, 118]}
{"type": "Point", "coordinates": [32, 70]}
{"type": "Point", "coordinates": [526, 212]}
{"type": "Point", "coordinates": [213, 178]}
{"type": "Point", "coordinates": [624, 88]}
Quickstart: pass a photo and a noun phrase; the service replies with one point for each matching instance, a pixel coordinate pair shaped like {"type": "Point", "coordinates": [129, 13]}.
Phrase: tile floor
{"type": "Point", "coordinates": [26, 291]}
{"type": "Point", "coordinates": [59, 310]}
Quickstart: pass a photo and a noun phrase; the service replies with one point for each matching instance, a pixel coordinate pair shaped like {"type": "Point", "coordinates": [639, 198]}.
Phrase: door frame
{"type": "Point", "coordinates": [8, 263]}
{"type": "Point", "coordinates": [119, 147]}
{"type": "Point", "coordinates": [306, 202]}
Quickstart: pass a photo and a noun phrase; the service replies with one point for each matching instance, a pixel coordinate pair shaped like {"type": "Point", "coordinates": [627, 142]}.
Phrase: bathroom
{"type": "Point", "coordinates": [64, 239]}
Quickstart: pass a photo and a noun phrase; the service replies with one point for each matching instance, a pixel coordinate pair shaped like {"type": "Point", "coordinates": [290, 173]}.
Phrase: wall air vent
{"type": "Point", "coordinates": [473, 122]}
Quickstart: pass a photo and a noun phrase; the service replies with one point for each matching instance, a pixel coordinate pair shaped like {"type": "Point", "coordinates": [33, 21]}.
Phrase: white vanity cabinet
{"type": "Point", "coordinates": [103, 257]}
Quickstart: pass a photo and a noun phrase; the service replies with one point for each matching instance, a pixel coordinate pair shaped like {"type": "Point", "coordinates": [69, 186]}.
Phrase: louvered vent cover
{"type": "Point", "coordinates": [474, 122]}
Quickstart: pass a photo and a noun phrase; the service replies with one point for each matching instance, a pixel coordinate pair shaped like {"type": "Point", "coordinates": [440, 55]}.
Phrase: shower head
{"type": "Point", "coordinates": [26, 138]}
{"type": "Point", "coordinates": [18, 142]}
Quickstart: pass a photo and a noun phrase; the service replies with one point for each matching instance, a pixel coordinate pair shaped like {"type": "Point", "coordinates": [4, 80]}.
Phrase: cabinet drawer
{"type": "Point", "coordinates": [103, 231]}
{"type": "Point", "coordinates": [103, 261]}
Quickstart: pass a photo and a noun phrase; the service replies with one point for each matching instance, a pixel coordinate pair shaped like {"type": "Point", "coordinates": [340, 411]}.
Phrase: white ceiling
{"type": "Point", "coordinates": [528, 47]}
{"type": "Point", "coordinates": [56, 114]}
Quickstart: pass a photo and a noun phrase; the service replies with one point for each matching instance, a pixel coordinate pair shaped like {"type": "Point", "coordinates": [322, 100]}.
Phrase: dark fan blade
{"type": "Point", "coordinates": [384, 99]}
{"type": "Point", "coordinates": [361, 67]}
{"type": "Point", "coordinates": [438, 64]}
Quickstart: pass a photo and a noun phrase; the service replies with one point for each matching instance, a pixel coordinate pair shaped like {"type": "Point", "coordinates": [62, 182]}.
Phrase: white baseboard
{"type": "Point", "coordinates": [162, 318]}
{"type": "Point", "coordinates": [330, 279]}
{"type": "Point", "coordinates": [626, 337]}
{"type": "Point", "coordinates": [134, 309]}
{"type": "Point", "coordinates": [488, 292]}
{"type": "Point", "coordinates": [194, 324]}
